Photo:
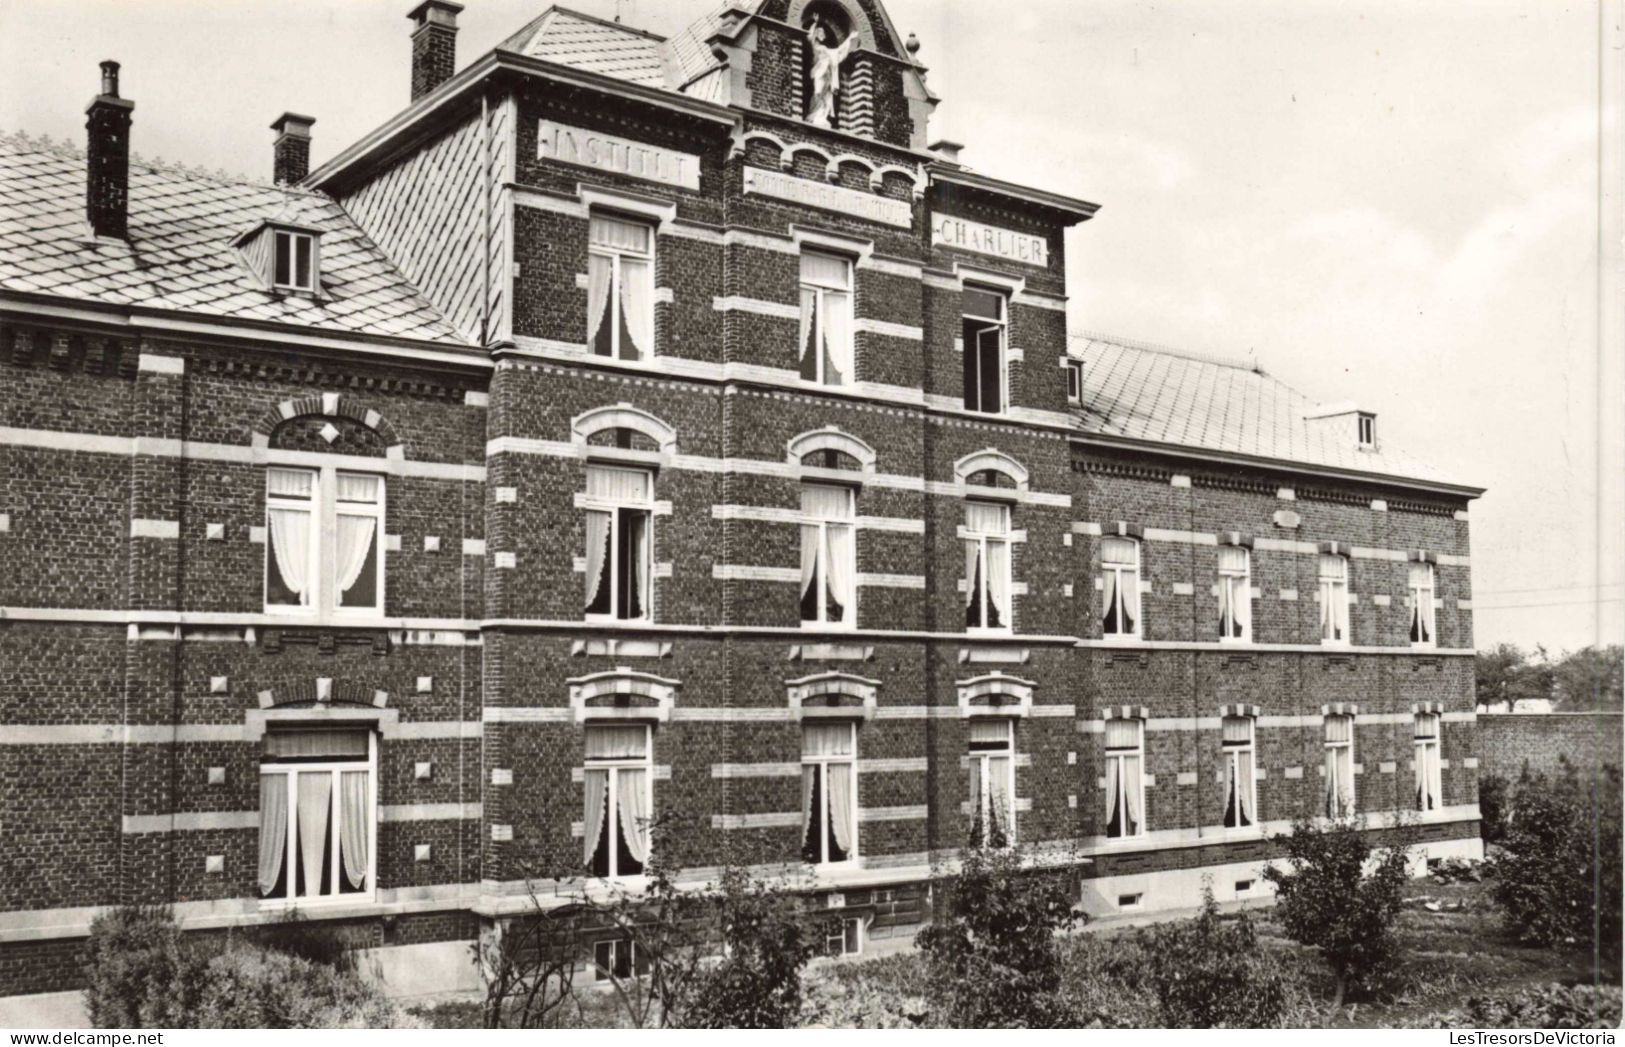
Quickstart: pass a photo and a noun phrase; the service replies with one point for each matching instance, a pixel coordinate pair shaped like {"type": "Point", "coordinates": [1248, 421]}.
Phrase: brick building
{"type": "Point", "coordinates": [640, 428]}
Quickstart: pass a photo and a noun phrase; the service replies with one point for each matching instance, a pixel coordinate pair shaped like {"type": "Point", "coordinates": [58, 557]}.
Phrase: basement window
{"type": "Point", "coordinates": [293, 261]}
{"type": "Point", "coordinates": [1130, 901]}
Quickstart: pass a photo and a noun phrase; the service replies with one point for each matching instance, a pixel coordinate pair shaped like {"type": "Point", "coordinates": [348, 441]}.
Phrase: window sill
{"type": "Point", "coordinates": [988, 632]}
{"type": "Point", "coordinates": [331, 901]}
{"type": "Point", "coordinates": [1125, 640]}
{"type": "Point", "coordinates": [610, 619]}
{"type": "Point", "coordinates": [1126, 841]}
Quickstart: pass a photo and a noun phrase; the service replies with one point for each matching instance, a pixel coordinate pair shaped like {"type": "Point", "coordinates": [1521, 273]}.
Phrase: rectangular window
{"type": "Point", "coordinates": [844, 937]}
{"type": "Point", "coordinates": [829, 792]}
{"type": "Point", "coordinates": [987, 566]}
{"type": "Point", "coordinates": [992, 745]}
{"type": "Point", "coordinates": [1334, 599]}
{"type": "Point", "coordinates": [1074, 382]}
{"type": "Point", "coordinates": [620, 504]}
{"type": "Point", "coordinates": [317, 832]}
{"type": "Point", "coordinates": [1125, 789]}
{"type": "Point", "coordinates": [1425, 757]}
{"type": "Point", "coordinates": [1120, 587]}
{"type": "Point", "coordinates": [826, 319]}
{"type": "Point", "coordinates": [619, 782]}
{"type": "Point", "coordinates": [322, 541]}
{"type": "Point", "coordinates": [293, 261]}
{"type": "Point", "coordinates": [1420, 587]}
{"type": "Point", "coordinates": [615, 959]}
{"type": "Point", "coordinates": [1240, 795]}
{"type": "Point", "coordinates": [983, 325]}
{"type": "Point", "coordinates": [1339, 766]}
{"type": "Point", "coordinates": [829, 559]}
{"type": "Point", "coordinates": [620, 288]}
{"type": "Point", "coordinates": [1235, 594]}
{"type": "Point", "coordinates": [1367, 431]}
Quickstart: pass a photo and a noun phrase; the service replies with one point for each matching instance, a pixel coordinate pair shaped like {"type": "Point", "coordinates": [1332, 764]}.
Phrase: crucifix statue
{"type": "Point", "coordinates": [827, 55]}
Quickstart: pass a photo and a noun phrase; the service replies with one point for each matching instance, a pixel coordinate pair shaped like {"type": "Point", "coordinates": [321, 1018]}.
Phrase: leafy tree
{"type": "Point", "coordinates": [766, 943]}
{"type": "Point", "coordinates": [1558, 874]}
{"type": "Point", "coordinates": [1507, 673]}
{"type": "Point", "coordinates": [1590, 679]}
{"type": "Point", "coordinates": [1327, 899]}
{"type": "Point", "coordinates": [1209, 973]}
{"type": "Point", "coordinates": [991, 952]}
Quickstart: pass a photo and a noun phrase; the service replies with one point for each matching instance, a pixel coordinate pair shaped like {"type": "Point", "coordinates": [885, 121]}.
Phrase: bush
{"type": "Point", "coordinates": [1557, 875]}
{"type": "Point", "coordinates": [317, 941]}
{"type": "Point", "coordinates": [1327, 900]}
{"type": "Point", "coordinates": [991, 954]}
{"type": "Point", "coordinates": [1209, 973]}
{"type": "Point", "coordinates": [766, 943]}
{"type": "Point", "coordinates": [1494, 792]}
{"type": "Point", "coordinates": [1545, 1007]}
{"type": "Point", "coordinates": [876, 994]}
{"type": "Point", "coordinates": [143, 974]}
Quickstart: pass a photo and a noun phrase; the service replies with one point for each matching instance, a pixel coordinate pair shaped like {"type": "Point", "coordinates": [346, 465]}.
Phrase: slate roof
{"type": "Point", "coordinates": [584, 42]}
{"type": "Point", "coordinates": [1167, 396]}
{"type": "Point", "coordinates": [180, 253]}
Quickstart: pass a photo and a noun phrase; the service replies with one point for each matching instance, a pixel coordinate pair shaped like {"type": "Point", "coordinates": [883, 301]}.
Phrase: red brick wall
{"type": "Point", "coordinates": [1509, 741]}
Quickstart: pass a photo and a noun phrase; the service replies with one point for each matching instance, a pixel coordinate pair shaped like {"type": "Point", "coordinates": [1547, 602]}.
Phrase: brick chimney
{"type": "Point", "coordinates": [107, 158]}
{"type": "Point", "coordinates": [290, 153]}
{"type": "Point", "coordinates": [434, 45]}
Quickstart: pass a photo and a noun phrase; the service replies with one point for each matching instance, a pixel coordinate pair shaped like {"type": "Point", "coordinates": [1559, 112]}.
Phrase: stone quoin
{"type": "Point", "coordinates": [601, 442]}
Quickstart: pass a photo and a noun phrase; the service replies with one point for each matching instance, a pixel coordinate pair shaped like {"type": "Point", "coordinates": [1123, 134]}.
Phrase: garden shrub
{"type": "Point", "coordinates": [1328, 900]}
{"type": "Point", "coordinates": [318, 941]}
{"type": "Point", "coordinates": [1543, 1007]}
{"type": "Point", "coordinates": [1209, 973]}
{"type": "Point", "coordinates": [887, 993]}
{"type": "Point", "coordinates": [991, 953]}
{"type": "Point", "coordinates": [757, 984]}
{"type": "Point", "coordinates": [1557, 874]}
{"type": "Point", "coordinates": [140, 974]}
{"type": "Point", "coordinates": [1494, 793]}
{"type": "Point", "coordinates": [245, 988]}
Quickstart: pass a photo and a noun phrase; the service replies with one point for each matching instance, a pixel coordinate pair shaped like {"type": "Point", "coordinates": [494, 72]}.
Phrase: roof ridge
{"type": "Point", "coordinates": [67, 150]}
{"type": "Point", "coordinates": [1236, 362]}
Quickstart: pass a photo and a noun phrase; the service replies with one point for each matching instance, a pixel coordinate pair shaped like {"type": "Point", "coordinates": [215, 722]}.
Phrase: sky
{"type": "Point", "coordinates": [1389, 201]}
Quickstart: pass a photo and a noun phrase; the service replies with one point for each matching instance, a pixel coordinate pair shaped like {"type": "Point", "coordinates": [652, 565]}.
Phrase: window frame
{"type": "Point", "coordinates": [985, 797]}
{"type": "Point", "coordinates": [1121, 570]}
{"type": "Point", "coordinates": [1328, 589]}
{"type": "Point", "coordinates": [984, 595]}
{"type": "Point", "coordinates": [844, 923]}
{"type": "Point", "coordinates": [989, 323]}
{"type": "Point", "coordinates": [291, 770]}
{"type": "Point", "coordinates": [615, 301]}
{"type": "Point", "coordinates": [820, 290]}
{"type": "Point", "coordinates": [286, 245]}
{"type": "Point", "coordinates": [1423, 612]}
{"type": "Point", "coordinates": [823, 816]}
{"type": "Point", "coordinates": [1227, 609]}
{"type": "Point", "coordinates": [1231, 753]}
{"type": "Point", "coordinates": [602, 973]}
{"type": "Point", "coordinates": [613, 766]}
{"type": "Point", "coordinates": [1348, 800]}
{"type": "Point", "coordinates": [849, 619]}
{"type": "Point", "coordinates": [1074, 382]}
{"type": "Point", "coordinates": [1365, 430]}
{"type": "Point", "coordinates": [324, 508]}
{"type": "Point", "coordinates": [1111, 757]}
{"type": "Point", "coordinates": [1428, 749]}
{"type": "Point", "coordinates": [614, 508]}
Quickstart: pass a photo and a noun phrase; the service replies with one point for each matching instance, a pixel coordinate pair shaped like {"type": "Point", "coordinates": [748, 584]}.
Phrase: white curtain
{"type": "Point", "coordinates": [608, 484]}
{"type": "Point", "coordinates": [273, 828]}
{"type": "Point", "coordinates": [1339, 766]}
{"type": "Point", "coordinates": [811, 553]}
{"type": "Point", "coordinates": [592, 824]}
{"type": "Point", "coordinates": [1238, 732]}
{"type": "Point", "coordinates": [826, 739]}
{"type": "Point", "coordinates": [315, 810]}
{"type": "Point", "coordinates": [637, 306]}
{"type": "Point", "coordinates": [355, 815]}
{"type": "Point", "coordinates": [809, 334]}
{"type": "Point", "coordinates": [629, 742]}
{"type": "Point", "coordinates": [359, 487]}
{"type": "Point", "coordinates": [1123, 786]}
{"type": "Point", "coordinates": [326, 744]}
{"type": "Point", "coordinates": [841, 560]}
{"type": "Point", "coordinates": [290, 542]}
{"type": "Point", "coordinates": [1131, 793]}
{"type": "Point", "coordinates": [837, 555]}
{"type": "Point", "coordinates": [998, 584]}
{"type": "Point", "coordinates": [1334, 601]}
{"type": "Point", "coordinates": [355, 538]}
{"type": "Point", "coordinates": [633, 791]}
{"type": "Point", "coordinates": [984, 518]}
{"type": "Point", "coordinates": [998, 792]}
{"type": "Point", "coordinates": [600, 269]}
{"type": "Point", "coordinates": [597, 553]}
{"type": "Point", "coordinates": [290, 483]}
{"type": "Point", "coordinates": [837, 327]}
{"type": "Point", "coordinates": [976, 797]}
{"type": "Point", "coordinates": [1235, 599]}
{"type": "Point", "coordinates": [809, 781]}
{"type": "Point", "coordinates": [1420, 759]}
{"type": "Point", "coordinates": [841, 814]}
{"type": "Point", "coordinates": [1123, 583]}
{"type": "Point", "coordinates": [1421, 587]}
{"type": "Point", "coordinates": [989, 731]}
{"type": "Point", "coordinates": [619, 235]}
{"type": "Point", "coordinates": [973, 580]}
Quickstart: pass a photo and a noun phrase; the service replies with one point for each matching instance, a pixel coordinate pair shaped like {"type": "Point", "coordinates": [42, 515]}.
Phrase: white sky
{"type": "Point", "coordinates": [1393, 201]}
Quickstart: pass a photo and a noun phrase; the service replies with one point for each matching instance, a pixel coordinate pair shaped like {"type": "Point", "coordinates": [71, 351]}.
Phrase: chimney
{"type": "Point", "coordinates": [107, 158]}
{"type": "Point", "coordinates": [434, 45]}
{"type": "Point", "coordinates": [946, 151]}
{"type": "Point", "coordinates": [290, 153]}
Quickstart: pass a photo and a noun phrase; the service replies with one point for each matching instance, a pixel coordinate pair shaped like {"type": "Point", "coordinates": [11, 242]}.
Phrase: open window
{"type": "Point", "coordinates": [984, 323]}
{"type": "Point", "coordinates": [620, 505]}
{"type": "Point", "coordinates": [318, 836]}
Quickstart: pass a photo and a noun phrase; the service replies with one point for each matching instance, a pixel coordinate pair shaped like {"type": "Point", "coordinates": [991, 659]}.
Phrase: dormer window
{"type": "Point", "coordinates": [1074, 382]}
{"type": "Point", "coordinates": [293, 261]}
{"type": "Point", "coordinates": [1367, 431]}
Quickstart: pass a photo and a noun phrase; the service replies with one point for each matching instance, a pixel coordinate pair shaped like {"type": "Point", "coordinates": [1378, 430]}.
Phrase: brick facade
{"type": "Point", "coordinates": [142, 661]}
{"type": "Point", "coordinates": [1508, 742]}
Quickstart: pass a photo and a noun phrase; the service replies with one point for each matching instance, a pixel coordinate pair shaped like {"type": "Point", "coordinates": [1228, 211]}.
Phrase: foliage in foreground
{"type": "Point", "coordinates": [991, 952]}
{"type": "Point", "coordinates": [142, 973]}
{"type": "Point", "coordinates": [1543, 1007]}
{"type": "Point", "coordinates": [1558, 873]}
{"type": "Point", "coordinates": [1341, 896]}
